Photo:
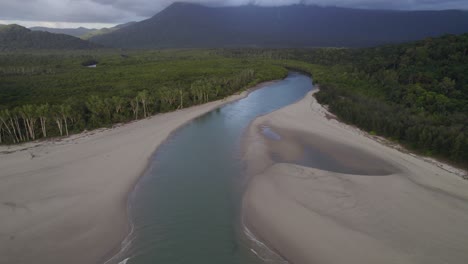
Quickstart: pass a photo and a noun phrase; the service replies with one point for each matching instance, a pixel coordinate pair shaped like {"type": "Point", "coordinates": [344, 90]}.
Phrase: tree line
{"type": "Point", "coordinates": [437, 135]}
{"type": "Point", "coordinates": [414, 93]}
{"type": "Point", "coordinates": [33, 121]}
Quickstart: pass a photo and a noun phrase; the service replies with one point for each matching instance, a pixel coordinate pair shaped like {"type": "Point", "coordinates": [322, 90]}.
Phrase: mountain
{"type": "Point", "coordinates": [81, 32]}
{"type": "Point", "coordinates": [184, 25]}
{"type": "Point", "coordinates": [75, 32]}
{"type": "Point", "coordinates": [102, 31]}
{"type": "Point", "coordinates": [125, 24]}
{"type": "Point", "coordinates": [15, 37]}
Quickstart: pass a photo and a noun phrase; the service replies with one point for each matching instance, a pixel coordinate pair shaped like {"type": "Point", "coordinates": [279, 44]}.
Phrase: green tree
{"type": "Point", "coordinates": [43, 111]}
{"type": "Point", "coordinates": [29, 115]}
{"type": "Point", "coordinates": [144, 98]}
{"type": "Point", "coordinates": [66, 113]}
{"type": "Point", "coordinates": [446, 86]}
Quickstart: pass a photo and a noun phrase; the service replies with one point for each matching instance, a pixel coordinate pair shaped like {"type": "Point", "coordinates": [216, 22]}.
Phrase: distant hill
{"type": "Point", "coordinates": [81, 32]}
{"type": "Point", "coordinates": [76, 32]}
{"type": "Point", "coordinates": [15, 37]}
{"type": "Point", "coordinates": [102, 31]}
{"type": "Point", "coordinates": [183, 25]}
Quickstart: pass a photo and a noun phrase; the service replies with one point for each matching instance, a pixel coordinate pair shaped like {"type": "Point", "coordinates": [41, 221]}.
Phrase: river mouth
{"type": "Point", "coordinates": [186, 206]}
{"type": "Point", "coordinates": [310, 150]}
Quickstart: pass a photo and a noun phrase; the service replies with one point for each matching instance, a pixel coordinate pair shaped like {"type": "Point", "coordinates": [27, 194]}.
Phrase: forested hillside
{"type": "Point", "coordinates": [52, 94]}
{"type": "Point", "coordinates": [81, 32]}
{"type": "Point", "coordinates": [185, 25]}
{"type": "Point", "coordinates": [103, 31]}
{"type": "Point", "coordinates": [75, 32]}
{"type": "Point", "coordinates": [15, 37]}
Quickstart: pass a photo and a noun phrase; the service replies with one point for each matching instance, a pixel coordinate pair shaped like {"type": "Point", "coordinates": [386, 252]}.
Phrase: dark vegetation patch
{"type": "Point", "coordinates": [415, 94]}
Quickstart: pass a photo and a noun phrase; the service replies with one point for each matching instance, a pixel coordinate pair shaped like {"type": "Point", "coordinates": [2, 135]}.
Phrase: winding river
{"type": "Point", "coordinates": [185, 208]}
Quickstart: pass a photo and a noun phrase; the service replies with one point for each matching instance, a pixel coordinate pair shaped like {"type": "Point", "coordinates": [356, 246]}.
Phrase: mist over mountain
{"type": "Point", "coordinates": [184, 25]}
{"type": "Point", "coordinates": [81, 32]}
{"type": "Point", "coordinates": [76, 32]}
{"type": "Point", "coordinates": [15, 37]}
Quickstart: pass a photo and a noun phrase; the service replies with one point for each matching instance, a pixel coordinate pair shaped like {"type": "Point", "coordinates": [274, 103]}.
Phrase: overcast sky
{"type": "Point", "coordinates": [101, 13]}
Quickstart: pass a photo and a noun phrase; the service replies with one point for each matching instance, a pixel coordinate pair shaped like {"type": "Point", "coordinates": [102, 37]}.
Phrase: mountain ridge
{"type": "Point", "coordinates": [188, 25]}
{"type": "Point", "coordinates": [16, 37]}
{"type": "Point", "coordinates": [75, 32]}
{"type": "Point", "coordinates": [82, 32]}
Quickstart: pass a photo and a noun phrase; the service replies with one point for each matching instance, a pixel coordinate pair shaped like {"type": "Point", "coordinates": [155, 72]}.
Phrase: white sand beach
{"type": "Point", "coordinates": [401, 208]}
{"type": "Point", "coordinates": [65, 201]}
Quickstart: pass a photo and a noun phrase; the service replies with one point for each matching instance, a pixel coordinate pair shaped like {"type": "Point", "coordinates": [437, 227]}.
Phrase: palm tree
{"type": "Point", "coordinates": [43, 111]}
{"type": "Point", "coordinates": [14, 117]}
{"type": "Point", "coordinates": [97, 107]}
{"type": "Point", "coordinates": [197, 90]}
{"type": "Point", "coordinates": [134, 103]}
{"type": "Point", "coordinates": [118, 104]}
{"type": "Point", "coordinates": [5, 116]}
{"type": "Point", "coordinates": [144, 98]}
{"type": "Point", "coordinates": [29, 115]}
{"type": "Point", "coordinates": [182, 95]}
{"type": "Point", "coordinates": [167, 97]}
{"type": "Point", "coordinates": [57, 116]}
{"type": "Point", "coordinates": [65, 112]}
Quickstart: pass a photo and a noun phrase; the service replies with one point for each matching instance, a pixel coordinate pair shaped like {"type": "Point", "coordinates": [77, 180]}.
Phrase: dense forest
{"type": "Point", "coordinates": [415, 94]}
{"type": "Point", "coordinates": [46, 94]}
{"type": "Point", "coordinates": [15, 37]}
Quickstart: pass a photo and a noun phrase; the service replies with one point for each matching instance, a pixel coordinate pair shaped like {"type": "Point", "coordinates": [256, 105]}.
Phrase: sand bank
{"type": "Point", "coordinates": [362, 202]}
{"type": "Point", "coordinates": [64, 201]}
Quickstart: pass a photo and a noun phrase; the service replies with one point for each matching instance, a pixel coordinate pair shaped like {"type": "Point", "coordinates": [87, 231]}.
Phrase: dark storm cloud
{"type": "Point", "coordinates": [116, 11]}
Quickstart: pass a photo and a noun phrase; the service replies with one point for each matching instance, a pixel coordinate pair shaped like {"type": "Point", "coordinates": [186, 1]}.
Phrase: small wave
{"type": "Point", "coordinates": [124, 261]}
{"type": "Point", "coordinates": [126, 243]}
{"type": "Point", "coordinates": [267, 255]}
{"type": "Point", "coordinates": [255, 252]}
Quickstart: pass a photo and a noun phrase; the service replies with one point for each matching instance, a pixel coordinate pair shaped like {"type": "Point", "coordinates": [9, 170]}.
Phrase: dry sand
{"type": "Point", "coordinates": [366, 203]}
{"type": "Point", "coordinates": [64, 201]}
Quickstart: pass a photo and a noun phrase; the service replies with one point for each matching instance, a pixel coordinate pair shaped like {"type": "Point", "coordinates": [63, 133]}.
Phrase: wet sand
{"type": "Point", "coordinates": [324, 192]}
{"type": "Point", "coordinates": [65, 201]}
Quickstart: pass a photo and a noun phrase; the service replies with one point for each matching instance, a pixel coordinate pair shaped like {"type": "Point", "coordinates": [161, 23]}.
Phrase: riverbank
{"type": "Point", "coordinates": [65, 200]}
{"type": "Point", "coordinates": [362, 202]}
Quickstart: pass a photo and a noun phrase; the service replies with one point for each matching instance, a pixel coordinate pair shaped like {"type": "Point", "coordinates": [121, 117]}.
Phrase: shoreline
{"type": "Point", "coordinates": [303, 213]}
{"type": "Point", "coordinates": [60, 195]}
{"type": "Point", "coordinates": [109, 258]}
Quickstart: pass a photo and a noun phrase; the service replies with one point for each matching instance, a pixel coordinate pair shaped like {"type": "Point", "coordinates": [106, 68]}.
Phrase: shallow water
{"type": "Point", "coordinates": [185, 207]}
{"type": "Point", "coordinates": [315, 151]}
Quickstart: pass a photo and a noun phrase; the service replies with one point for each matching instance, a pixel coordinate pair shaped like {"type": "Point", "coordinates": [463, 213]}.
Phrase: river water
{"type": "Point", "coordinates": [185, 208]}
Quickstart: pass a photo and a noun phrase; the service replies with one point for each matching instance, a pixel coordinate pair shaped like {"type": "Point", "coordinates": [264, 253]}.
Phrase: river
{"type": "Point", "coordinates": [185, 208]}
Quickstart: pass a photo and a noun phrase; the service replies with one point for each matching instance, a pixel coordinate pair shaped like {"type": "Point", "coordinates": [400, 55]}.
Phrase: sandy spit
{"type": "Point", "coordinates": [64, 201]}
{"type": "Point", "coordinates": [381, 205]}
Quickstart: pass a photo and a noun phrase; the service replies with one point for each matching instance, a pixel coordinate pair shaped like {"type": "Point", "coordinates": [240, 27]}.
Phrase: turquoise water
{"type": "Point", "coordinates": [185, 208]}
